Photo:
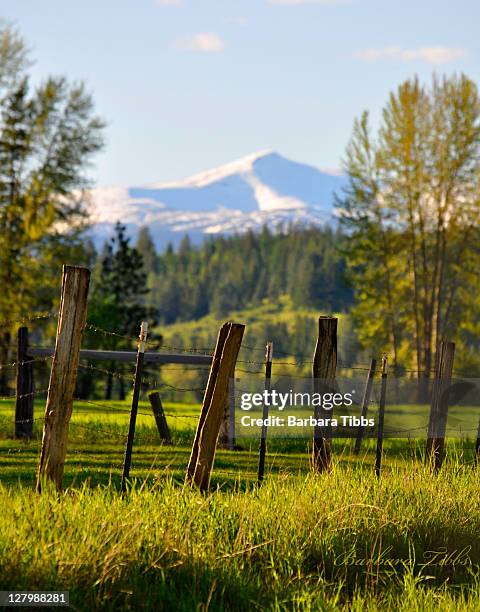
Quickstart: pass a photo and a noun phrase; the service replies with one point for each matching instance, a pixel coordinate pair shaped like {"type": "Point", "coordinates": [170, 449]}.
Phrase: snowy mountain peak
{"type": "Point", "coordinates": [243, 165]}
{"type": "Point", "coordinates": [261, 188]}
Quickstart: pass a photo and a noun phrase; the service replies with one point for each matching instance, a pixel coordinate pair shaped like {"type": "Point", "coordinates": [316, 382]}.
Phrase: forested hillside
{"type": "Point", "coordinates": [226, 274]}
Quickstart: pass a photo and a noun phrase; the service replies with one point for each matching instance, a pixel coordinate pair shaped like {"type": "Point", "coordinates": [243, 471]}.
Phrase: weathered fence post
{"type": "Point", "coordinates": [135, 397]}
{"type": "Point", "coordinates": [216, 393]}
{"type": "Point", "coordinates": [263, 436]}
{"type": "Point", "coordinates": [63, 375]}
{"type": "Point", "coordinates": [381, 416]}
{"type": "Point", "coordinates": [439, 406]}
{"type": "Point", "coordinates": [212, 377]}
{"type": "Point", "coordinates": [323, 371]}
{"type": "Point", "coordinates": [231, 443]}
{"type": "Point", "coordinates": [226, 438]}
{"type": "Point", "coordinates": [160, 419]}
{"type": "Point", "coordinates": [477, 446]}
{"type": "Point", "coordinates": [365, 402]}
{"type": "Point", "coordinates": [25, 388]}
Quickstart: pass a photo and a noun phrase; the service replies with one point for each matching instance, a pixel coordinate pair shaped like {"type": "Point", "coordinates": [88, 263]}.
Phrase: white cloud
{"type": "Point", "coordinates": [304, 2]}
{"type": "Point", "coordinates": [168, 2]}
{"type": "Point", "coordinates": [203, 42]}
{"type": "Point", "coordinates": [430, 55]}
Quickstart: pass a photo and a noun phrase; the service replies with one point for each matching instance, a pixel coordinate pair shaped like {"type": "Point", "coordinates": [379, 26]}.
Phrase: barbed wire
{"type": "Point", "coordinates": [25, 362]}
{"type": "Point", "coordinates": [425, 427]}
{"type": "Point", "coordinates": [156, 384]}
{"type": "Point", "coordinates": [181, 416]}
{"type": "Point", "coordinates": [13, 364]}
{"type": "Point", "coordinates": [105, 371]}
{"type": "Point", "coordinates": [186, 368]}
{"type": "Point", "coordinates": [202, 351]}
{"type": "Point", "coordinates": [153, 382]}
{"type": "Point", "coordinates": [248, 362]}
{"type": "Point", "coordinates": [29, 420]}
{"type": "Point", "coordinates": [106, 332]}
{"type": "Point", "coordinates": [28, 318]}
{"type": "Point", "coordinates": [96, 429]}
{"type": "Point", "coordinates": [115, 409]}
{"type": "Point", "coordinates": [146, 380]}
{"type": "Point", "coordinates": [304, 359]}
{"type": "Point", "coordinates": [106, 407]}
{"type": "Point", "coordinates": [15, 396]}
{"type": "Point", "coordinates": [184, 416]}
{"type": "Point", "coordinates": [276, 352]}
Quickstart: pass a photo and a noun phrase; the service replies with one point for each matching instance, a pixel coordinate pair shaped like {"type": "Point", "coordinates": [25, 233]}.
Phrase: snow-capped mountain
{"type": "Point", "coordinates": [262, 188]}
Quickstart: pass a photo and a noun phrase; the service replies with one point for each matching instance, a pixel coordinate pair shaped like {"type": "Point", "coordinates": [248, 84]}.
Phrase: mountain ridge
{"type": "Point", "coordinates": [258, 189]}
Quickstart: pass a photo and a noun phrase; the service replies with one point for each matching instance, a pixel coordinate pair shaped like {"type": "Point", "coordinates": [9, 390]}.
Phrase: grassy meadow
{"type": "Point", "coordinates": [338, 541]}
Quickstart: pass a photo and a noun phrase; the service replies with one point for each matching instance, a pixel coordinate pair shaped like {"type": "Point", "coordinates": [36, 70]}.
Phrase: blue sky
{"type": "Point", "coordinates": [186, 85]}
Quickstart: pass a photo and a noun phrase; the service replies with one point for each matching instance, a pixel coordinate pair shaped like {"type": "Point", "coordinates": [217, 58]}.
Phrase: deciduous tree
{"type": "Point", "coordinates": [412, 209]}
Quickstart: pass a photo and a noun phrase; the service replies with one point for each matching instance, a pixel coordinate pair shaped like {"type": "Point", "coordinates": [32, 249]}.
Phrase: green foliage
{"type": "Point", "coordinates": [292, 330]}
{"type": "Point", "coordinates": [146, 248]}
{"type": "Point", "coordinates": [47, 138]}
{"type": "Point", "coordinates": [119, 289]}
{"type": "Point", "coordinates": [227, 274]}
{"type": "Point", "coordinates": [412, 213]}
{"type": "Point", "coordinates": [117, 302]}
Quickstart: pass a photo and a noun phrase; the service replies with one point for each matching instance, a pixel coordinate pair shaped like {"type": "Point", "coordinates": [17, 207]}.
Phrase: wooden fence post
{"type": "Point", "coordinates": [477, 446]}
{"type": "Point", "coordinates": [365, 402]}
{"type": "Point", "coordinates": [25, 388]}
{"type": "Point", "coordinates": [323, 371]}
{"type": "Point", "coordinates": [212, 377]}
{"type": "Point", "coordinates": [160, 419]}
{"type": "Point", "coordinates": [216, 393]}
{"type": "Point", "coordinates": [439, 406]}
{"type": "Point", "coordinates": [135, 397]}
{"type": "Point", "coordinates": [381, 416]}
{"type": "Point", "coordinates": [63, 375]}
{"type": "Point", "coordinates": [226, 438]}
{"type": "Point", "coordinates": [263, 436]}
{"type": "Point", "coordinates": [231, 443]}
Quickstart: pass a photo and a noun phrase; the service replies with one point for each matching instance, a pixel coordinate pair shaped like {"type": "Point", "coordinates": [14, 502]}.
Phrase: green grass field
{"type": "Point", "coordinates": [337, 541]}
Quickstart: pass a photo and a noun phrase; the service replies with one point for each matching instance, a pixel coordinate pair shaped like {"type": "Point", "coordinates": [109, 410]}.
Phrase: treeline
{"type": "Point", "coordinates": [225, 274]}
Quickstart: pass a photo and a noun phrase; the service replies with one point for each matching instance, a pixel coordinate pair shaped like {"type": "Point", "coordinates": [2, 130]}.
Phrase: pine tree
{"type": "Point", "coordinates": [146, 247]}
{"type": "Point", "coordinates": [118, 297]}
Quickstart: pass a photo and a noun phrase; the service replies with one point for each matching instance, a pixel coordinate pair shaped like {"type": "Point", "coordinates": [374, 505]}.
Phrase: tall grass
{"type": "Point", "coordinates": [342, 540]}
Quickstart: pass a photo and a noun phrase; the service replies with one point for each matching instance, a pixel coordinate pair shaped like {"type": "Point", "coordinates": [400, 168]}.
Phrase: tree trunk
{"type": "Point", "coordinates": [108, 387]}
{"type": "Point", "coordinates": [121, 389]}
{"type": "Point", "coordinates": [5, 340]}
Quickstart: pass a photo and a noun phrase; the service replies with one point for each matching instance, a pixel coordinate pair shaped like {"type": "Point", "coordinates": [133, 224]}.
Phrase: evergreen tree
{"type": "Point", "coordinates": [146, 247]}
{"type": "Point", "coordinates": [118, 298]}
{"type": "Point", "coordinates": [229, 273]}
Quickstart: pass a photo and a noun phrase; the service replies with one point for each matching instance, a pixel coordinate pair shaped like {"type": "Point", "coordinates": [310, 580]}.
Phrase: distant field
{"type": "Point", "coordinates": [338, 541]}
